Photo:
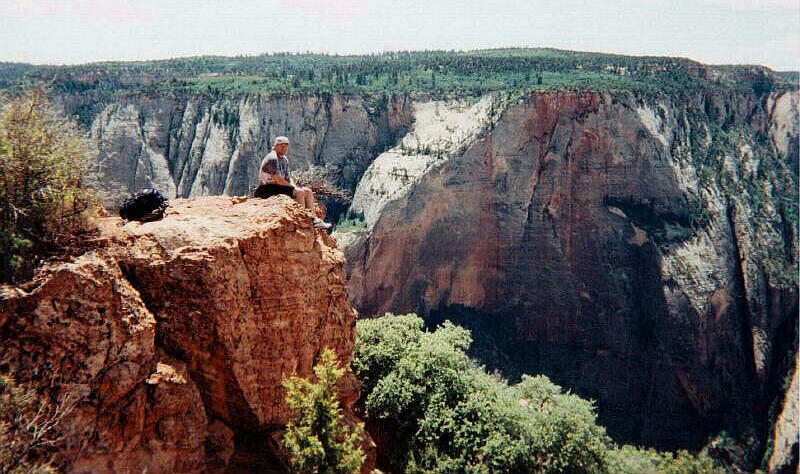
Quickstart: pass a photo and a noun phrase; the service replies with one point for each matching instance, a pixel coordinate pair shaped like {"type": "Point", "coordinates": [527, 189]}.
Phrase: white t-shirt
{"type": "Point", "coordinates": [273, 164]}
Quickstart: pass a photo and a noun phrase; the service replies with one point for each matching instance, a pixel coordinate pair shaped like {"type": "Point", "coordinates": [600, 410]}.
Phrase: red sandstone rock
{"type": "Point", "coordinates": [175, 336]}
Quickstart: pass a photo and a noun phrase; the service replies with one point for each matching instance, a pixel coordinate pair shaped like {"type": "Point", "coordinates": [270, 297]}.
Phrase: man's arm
{"type": "Point", "coordinates": [269, 172]}
{"type": "Point", "coordinates": [278, 179]}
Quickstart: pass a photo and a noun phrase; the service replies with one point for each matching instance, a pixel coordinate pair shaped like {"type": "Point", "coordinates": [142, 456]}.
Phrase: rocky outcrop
{"type": "Point", "coordinates": [200, 145]}
{"type": "Point", "coordinates": [642, 250]}
{"type": "Point", "coordinates": [172, 337]}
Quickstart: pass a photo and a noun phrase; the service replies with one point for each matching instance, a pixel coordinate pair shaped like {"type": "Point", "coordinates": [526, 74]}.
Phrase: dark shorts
{"type": "Point", "coordinates": [268, 190]}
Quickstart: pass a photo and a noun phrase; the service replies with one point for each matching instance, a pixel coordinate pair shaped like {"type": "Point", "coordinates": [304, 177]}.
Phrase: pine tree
{"type": "Point", "coordinates": [316, 439]}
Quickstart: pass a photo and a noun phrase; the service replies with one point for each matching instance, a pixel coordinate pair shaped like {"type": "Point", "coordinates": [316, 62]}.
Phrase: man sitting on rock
{"type": "Point", "coordinates": [274, 178]}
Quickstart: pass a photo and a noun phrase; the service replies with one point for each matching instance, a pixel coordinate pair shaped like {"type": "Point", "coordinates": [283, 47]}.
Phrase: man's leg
{"type": "Point", "coordinates": [299, 196]}
{"type": "Point", "coordinates": [305, 197]}
{"type": "Point", "coordinates": [311, 203]}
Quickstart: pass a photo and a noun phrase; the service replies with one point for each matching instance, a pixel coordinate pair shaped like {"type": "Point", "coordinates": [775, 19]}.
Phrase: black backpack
{"type": "Point", "coordinates": [145, 206]}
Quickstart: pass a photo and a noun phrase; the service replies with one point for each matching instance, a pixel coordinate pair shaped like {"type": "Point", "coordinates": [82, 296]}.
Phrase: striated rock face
{"type": "Point", "coordinates": [174, 336]}
{"type": "Point", "coordinates": [641, 251]}
{"type": "Point", "coordinates": [196, 145]}
{"type": "Point", "coordinates": [786, 433]}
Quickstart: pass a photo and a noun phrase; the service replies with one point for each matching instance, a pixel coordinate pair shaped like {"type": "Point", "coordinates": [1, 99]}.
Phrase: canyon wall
{"type": "Point", "coordinates": [785, 435]}
{"type": "Point", "coordinates": [642, 251]}
{"type": "Point", "coordinates": [195, 145]}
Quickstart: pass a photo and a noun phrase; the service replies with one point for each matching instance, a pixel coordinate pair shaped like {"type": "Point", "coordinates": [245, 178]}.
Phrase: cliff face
{"type": "Point", "coordinates": [173, 337]}
{"type": "Point", "coordinates": [786, 432]}
{"type": "Point", "coordinates": [643, 251]}
{"type": "Point", "coordinates": [196, 145]}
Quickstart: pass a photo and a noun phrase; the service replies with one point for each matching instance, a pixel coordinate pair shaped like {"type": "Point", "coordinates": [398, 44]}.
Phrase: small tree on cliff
{"type": "Point", "coordinates": [43, 193]}
{"type": "Point", "coordinates": [316, 439]}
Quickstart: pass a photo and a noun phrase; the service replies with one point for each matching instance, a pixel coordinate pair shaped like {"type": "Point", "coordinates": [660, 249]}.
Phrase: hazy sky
{"type": "Point", "coordinates": [712, 31]}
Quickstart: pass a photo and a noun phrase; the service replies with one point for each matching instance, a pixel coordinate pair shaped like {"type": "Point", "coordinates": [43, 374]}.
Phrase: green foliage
{"type": "Point", "coordinates": [316, 438]}
{"type": "Point", "coordinates": [438, 73]}
{"type": "Point", "coordinates": [449, 416]}
{"type": "Point", "coordinates": [632, 460]}
{"type": "Point", "coordinates": [12, 249]}
{"type": "Point", "coordinates": [43, 196]}
{"type": "Point", "coordinates": [26, 424]}
{"type": "Point", "coordinates": [348, 225]}
{"type": "Point", "coordinates": [567, 426]}
{"type": "Point", "coordinates": [738, 451]}
{"type": "Point", "coordinates": [457, 418]}
{"type": "Point", "coordinates": [351, 221]}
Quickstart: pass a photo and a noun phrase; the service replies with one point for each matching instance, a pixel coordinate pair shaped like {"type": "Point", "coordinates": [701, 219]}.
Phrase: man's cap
{"type": "Point", "coordinates": [279, 140]}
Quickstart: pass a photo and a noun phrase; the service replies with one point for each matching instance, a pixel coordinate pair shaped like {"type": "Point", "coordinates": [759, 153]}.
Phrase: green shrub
{"type": "Point", "coordinates": [448, 415]}
{"type": "Point", "coordinates": [316, 438]}
{"type": "Point", "coordinates": [350, 221]}
{"type": "Point", "coordinates": [632, 460]}
{"type": "Point", "coordinates": [457, 418]}
{"type": "Point", "coordinates": [43, 196]}
{"type": "Point", "coordinates": [12, 249]}
{"type": "Point", "coordinates": [566, 426]}
{"type": "Point", "coordinates": [350, 224]}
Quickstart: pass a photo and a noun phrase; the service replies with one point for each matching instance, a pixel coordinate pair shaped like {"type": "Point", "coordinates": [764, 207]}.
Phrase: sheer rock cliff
{"type": "Point", "coordinates": [785, 435]}
{"type": "Point", "coordinates": [195, 145]}
{"type": "Point", "coordinates": [642, 251]}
